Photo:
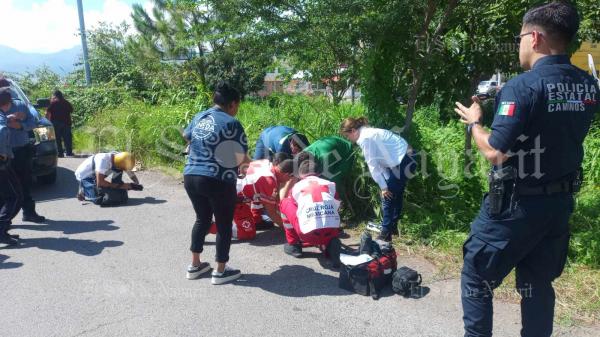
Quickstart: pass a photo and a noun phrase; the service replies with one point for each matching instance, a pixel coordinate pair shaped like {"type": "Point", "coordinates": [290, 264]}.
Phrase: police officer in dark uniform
{"type": "Point", "coordinates": [535, 146]}
{"type": "Point", "coordinates": [23, 150]}
{"type": "Point", "coordinates": [10, 190]}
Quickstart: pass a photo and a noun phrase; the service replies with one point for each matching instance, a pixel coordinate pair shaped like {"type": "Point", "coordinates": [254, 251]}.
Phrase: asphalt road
{"type": "Point", "coordinates": [92, 271]}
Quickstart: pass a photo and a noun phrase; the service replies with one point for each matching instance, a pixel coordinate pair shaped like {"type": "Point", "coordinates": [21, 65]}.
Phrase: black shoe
{"type": "Point", "coordinates": [334, 248]}
{"type": "Point", "coordinates": [34, 218]}
{"type": "Point", "coordinates": [60, 155]}
{"type": "Point", "coordinates": [7, 241]}
{"type": "Point", "coordinates": [385, 235]}
{"type": "Point", "coordinates": [395, 231]}
{"type": "Point", "coordinates": [228, 275]}
{"type": "Point", "coordinates": [293, 250]}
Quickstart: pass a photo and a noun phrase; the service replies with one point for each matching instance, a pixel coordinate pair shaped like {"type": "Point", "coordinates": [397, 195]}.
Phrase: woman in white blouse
{"type": "Point", "coordinates": [390, 163]}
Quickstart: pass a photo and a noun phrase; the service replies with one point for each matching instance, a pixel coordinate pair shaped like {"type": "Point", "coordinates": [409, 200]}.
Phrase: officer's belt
{"type": "Point", "coordinates": [566, 186]}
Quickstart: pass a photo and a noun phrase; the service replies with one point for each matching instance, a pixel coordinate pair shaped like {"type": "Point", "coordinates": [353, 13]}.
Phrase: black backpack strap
{"type": "Point", "coordinates": [373, 291]}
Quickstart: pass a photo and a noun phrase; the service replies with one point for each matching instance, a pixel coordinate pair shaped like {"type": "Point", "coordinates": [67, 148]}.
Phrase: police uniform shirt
{"type": "Point", "coordinates": [545, 113]}
{"type": "Point", "coordinates": [20, 137]}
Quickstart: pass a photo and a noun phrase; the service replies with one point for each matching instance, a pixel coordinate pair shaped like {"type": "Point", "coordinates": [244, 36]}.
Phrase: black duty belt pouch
{"type": "Point", "coordinates": [405, 280]}
{"type": "Point", "coordinates": [497, 188]}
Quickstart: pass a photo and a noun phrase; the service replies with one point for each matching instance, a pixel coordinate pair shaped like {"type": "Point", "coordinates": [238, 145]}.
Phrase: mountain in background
{"type": "Point", "coordinates": [62, 62]}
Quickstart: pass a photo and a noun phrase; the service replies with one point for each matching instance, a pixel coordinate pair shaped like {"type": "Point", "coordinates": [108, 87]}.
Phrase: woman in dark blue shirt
{"type": "Point", "coordinates": [218, 147]}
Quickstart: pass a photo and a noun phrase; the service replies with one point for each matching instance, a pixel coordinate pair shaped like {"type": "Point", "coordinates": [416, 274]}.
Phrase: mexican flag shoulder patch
{"type": "Point", "coordinates": [507, 109]}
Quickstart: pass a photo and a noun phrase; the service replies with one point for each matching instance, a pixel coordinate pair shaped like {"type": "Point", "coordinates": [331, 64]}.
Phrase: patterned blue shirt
{"type": "Point", "coordinates": [218, 145]}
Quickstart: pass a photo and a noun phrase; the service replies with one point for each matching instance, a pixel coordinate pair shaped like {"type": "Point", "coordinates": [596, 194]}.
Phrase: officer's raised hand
{"type": "Point", "coordinates": [472, 117]}
{"type": "Point", "coordinates": [472, 114]}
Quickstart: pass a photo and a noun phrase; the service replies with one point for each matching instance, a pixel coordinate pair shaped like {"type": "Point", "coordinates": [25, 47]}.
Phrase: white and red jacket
{"type": "Point", "coordinates": [318, 204]}
{"type": "Point", "coordinates": [259, 185]}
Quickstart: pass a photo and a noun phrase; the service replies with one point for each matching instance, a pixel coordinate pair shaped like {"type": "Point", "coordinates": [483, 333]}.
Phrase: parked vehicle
{"type": "Point", "coordinates": [42, 137]}
{"type": "Point", "coordinates": [488, 87]}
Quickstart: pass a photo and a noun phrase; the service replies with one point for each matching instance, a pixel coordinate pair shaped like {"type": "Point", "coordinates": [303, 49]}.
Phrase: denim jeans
{"type": "Point", "coordinates": [392, 208]}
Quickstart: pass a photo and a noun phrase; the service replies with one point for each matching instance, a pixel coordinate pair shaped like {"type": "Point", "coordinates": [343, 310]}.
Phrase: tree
{"type": "Point", "coordinates": [178, 30]}
{"type": "Point", "coordinates": [208, 35]}
{"type": "Point", "coordinates": [317, 37]}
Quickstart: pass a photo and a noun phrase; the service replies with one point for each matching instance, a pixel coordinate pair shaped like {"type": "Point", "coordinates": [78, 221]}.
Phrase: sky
{"type": "Point", "coordinates": [47, 26]}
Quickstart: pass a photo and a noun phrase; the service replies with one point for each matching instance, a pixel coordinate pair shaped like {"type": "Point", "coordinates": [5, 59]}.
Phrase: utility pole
{"type": "Point", "coordinates": [86, 63]}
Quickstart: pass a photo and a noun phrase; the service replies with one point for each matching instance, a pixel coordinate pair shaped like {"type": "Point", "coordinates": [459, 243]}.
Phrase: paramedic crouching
{"type": "Point", "coordinates": [92, 175]}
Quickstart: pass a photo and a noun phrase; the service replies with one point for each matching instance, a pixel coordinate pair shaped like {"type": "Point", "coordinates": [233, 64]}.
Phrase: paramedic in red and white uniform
{"type": "Point", "coordinates": [261, 185]}
{"type": "Point", "coordinates": [311, 212]}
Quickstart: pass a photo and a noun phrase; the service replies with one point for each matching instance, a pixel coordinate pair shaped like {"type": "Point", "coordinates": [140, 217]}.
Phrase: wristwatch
{"type": "Point", "coordinates": [471, 125]}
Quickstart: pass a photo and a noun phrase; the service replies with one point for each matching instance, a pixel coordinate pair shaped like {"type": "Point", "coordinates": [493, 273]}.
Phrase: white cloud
{"type": "Point", "coordinates": [52, 25]}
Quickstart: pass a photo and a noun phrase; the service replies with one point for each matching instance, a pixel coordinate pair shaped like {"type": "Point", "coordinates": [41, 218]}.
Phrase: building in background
{"type": "Point", "coordinates": [580, 58]}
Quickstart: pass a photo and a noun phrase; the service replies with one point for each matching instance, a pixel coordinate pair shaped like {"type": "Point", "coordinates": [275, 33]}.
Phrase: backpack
{"type": "Point", "coordinates": [370, 278]}
{"type": "Point", "coordinates": [405, 281]}
{"type": "Point", "coordinates": [243, 225]}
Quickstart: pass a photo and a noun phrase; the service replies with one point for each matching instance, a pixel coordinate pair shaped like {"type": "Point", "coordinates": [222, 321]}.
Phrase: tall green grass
{"type": "Point", "coordinates": [440, 202]}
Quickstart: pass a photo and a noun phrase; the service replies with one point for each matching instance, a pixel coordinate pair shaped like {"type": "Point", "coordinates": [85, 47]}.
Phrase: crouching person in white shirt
{"type": "Point", "coordinates": [310, 209]}
{"type": "Point", "coordinates": [391, 164]}
{"type": "Point", "coordinates": [92, 175]}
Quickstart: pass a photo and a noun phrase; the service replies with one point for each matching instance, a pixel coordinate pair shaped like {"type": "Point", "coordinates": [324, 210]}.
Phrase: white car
{"type": "Point", "coordinates": [488, 87]}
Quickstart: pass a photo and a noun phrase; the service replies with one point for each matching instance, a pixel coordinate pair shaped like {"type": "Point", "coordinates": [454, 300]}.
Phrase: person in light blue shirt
{"type": "Point", "coordinates": [10, 191]}
{"type": "Point", "coordinates": [19, 112]}
{"type": "Point", "coordinates": [279, 139]}
{"type": "Point", "coordinates": [22, 121]}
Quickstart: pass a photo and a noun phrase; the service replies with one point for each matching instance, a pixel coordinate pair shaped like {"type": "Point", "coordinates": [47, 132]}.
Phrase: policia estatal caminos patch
{"type": "Point", "coordinates": [570, 96]}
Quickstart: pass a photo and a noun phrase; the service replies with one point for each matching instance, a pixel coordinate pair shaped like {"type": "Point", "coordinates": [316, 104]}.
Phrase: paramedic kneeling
{"type": "Point", "coordinates": [261, 185]}
{"type": "Point", "coordinates": [311, 210]}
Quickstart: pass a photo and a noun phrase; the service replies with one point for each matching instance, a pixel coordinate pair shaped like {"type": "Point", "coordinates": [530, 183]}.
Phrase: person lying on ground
{"type": "Point", "coordinates": [310, 205]}
{"type": "Point", "coordinates": [279, 139]}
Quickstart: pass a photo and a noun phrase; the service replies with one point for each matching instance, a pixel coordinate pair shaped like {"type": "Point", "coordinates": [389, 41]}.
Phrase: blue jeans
{"type": "Point", "coordinates": [392, 208]}
{"type": "Point", "coordinates": [90, 190]}
{"type": "Point", "coordinates": [88, 186]}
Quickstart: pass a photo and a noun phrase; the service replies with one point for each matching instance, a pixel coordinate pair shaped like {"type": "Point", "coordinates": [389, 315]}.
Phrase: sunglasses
{"type": "Point", "coordinates": [518, 38]}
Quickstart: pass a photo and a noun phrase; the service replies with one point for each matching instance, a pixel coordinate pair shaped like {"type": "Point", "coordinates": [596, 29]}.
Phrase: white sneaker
{"type": "Point", "coordinates": [228, 275]}
{"type": "Point", "coordinates": [193, 272]}
{"type": "Point", "coordinates": [374, 227]}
